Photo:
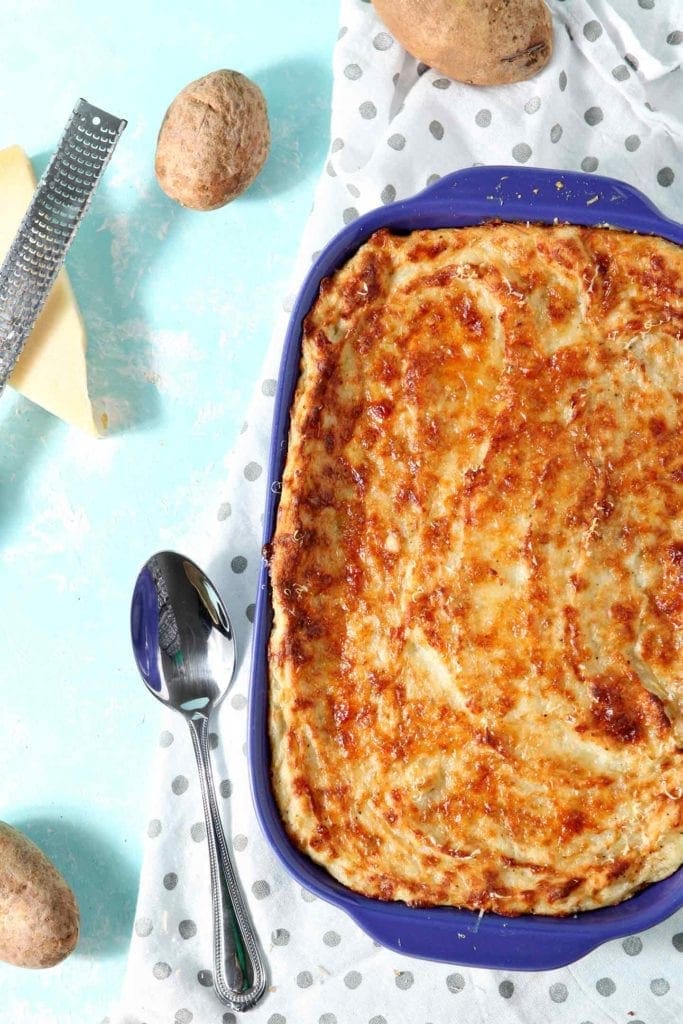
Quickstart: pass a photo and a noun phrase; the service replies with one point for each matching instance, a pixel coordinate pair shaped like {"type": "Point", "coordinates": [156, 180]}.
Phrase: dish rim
{"type": "Point", "coordinates": [447, 934]}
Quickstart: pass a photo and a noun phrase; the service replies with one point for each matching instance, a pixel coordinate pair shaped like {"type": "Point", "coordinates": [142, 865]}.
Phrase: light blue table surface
{"type": "Point", "coordinates": [179, 308]}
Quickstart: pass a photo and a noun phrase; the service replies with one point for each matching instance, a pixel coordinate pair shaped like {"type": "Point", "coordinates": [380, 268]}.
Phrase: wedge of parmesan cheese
{"type": "Point", "coordinates": [51, 371]}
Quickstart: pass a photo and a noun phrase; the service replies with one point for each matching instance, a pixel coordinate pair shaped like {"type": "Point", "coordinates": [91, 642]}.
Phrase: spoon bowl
{"type": "Point", "coordinates": [184, 648]}
{"type": "Point", "coordinates": [183, 641]}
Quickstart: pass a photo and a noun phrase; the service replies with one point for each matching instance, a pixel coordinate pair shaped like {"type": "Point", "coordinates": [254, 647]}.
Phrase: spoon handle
{"type": "Point", "coordinates": [239, 976]}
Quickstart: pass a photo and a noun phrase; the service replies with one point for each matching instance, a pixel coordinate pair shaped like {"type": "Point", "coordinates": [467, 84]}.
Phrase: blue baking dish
{"type": "Point", "coordinates": [445, 934]}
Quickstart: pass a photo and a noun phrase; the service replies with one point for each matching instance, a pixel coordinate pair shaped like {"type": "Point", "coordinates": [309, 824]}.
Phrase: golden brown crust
{"type": "Point", "coordinates": [476, 662]}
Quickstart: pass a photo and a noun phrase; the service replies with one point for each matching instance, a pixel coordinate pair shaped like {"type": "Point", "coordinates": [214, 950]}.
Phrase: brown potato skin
{"type": "Point", "coordinates": [213, 141]}
{"type": "Point", "coordinates": [39, 918]}
{"type": "Point", "coordinates": [481, 42]}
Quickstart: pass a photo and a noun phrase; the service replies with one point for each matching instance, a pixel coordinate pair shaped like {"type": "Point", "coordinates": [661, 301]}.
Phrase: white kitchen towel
{"type": "Point", "coordinates": [609, 101]}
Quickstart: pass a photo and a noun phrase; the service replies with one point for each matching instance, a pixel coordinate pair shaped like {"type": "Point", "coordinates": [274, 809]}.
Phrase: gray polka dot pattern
{"type": "Point", "coordinates": [556, 133]}
{"type": "Point", "coordinates": [379, 1019]}
{"type": "Point", "coordinates": [280, 937]}
{"type": "Point", "coordinates": [240, 842]}
{"type": "Point", "coordinates": [331, 938]}
{"type": "Point", "coordinates": [205, 978]}
{"type": "Point", "coordinates": [260, 889]}
{"type": "Point", "coordinates": [436, 129]}
{"type": "Point", "coordinates": [388, 194]}
{"type": "Point", "coordinates": [143, 927]}
{"type": "Point", "coordinates": [483, 118]}
{"type": "Point", "coordinates": [593, 115]}
{"type": "Point", "coordinates": [404, 980]}
{"type": "Point", "coordinates": [304, 979]}
{"type": "Point", "coordinates": [562, 81]}
{"type": "Point", "coordinates": [632, 946]}
{"type": "Point", "coordinates": [252, 471]}
{"type": "Point", "coordinates": [455, 983]}
{"type": "Point", "coordinates": [532, 105]}
{"type": "Point", "coordinates": [154, 828]}
{"type": "Point", "coordinates": [621, 72]}
{"type": "Point", "coordinates": [605, 987]}
{"type": "Point", "coordinates": [327, 1018]}
{"type": "Point", "coordinates": [161, 971]}
{"type": "Point", "coordinates": [238, 564]}
{"type": "Point", "coordinates": [442, 83]}
{"type": "Point", "coordinates": [166, 738]}
{"type": "Point", "coordinates": [184, 1017]}
{"type": "Point", "coordinates": [521, 152]}
{"type": "Point", "coordinates": [198, 831]}
{"type": "Point", "coordinates": [277, 1018]}
{"type": "Point", "coordinates": [558, 992]}
{"type": "Point", "coordinates": [353, 979]}
{"type": "Point", "coordinates": [589, 163]}
{"type": "Point", "coordinates": [659, 986]}
{"type": "Point", "coordinates": [213, 740]}
{"type": "Point", "coordinates": [396, 141]}
{"type": "Point", "coordinates": [225, 788]}
{"type": "Point", "coordinates": [337, 144]}
{"type": "Point", "coordinates": [677, 941]}
{"type": "Point", "coordinates": [367, 110]}
{"type": "Point", "coordinates": [350, 214]}
{"type": "Point", "coordinates": [506, 989]}
{"type": "Point", "coordinates": [382, 41]}
{"type": "Point", "coordinates": [224, 512]}
{"type": "Point", "coordinates": [632, 143]}
{"type": "Point", "coordinates": [239, 701]}
{"type": "Point", "coordinates": [229, 1018]}
{"type": "Point", "coordinates": [353, 71]}
{"type": "Point", "coordinates": [269, 387]}
{"type": "Point", "coordinates": [170, 880]}
{"type": "Point", "coordinates": [665, 177]}
{"type": "Point", "coordinates": [179, 785]}
{"type": "Point", "coordinates": [250, 612]}
{"type": "Point", "coordinates": [592, 30]}
{"type": "Point", "coordinates": [674, 38]}
{"type": "Point", "coordinates": [187, 929]}
{"type": "Point", "coordinates": [307, 896]}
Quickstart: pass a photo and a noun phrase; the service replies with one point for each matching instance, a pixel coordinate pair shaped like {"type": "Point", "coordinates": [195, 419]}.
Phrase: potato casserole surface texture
{"type": "Point", "coordinates": [476, 662]}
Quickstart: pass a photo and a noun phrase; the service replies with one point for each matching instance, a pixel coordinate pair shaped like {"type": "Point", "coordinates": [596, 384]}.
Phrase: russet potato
{"type": "Point", "coordinates": [481, 42]}
{"type": "Point", "coordinates": [213, 141]}
{"type": "Point", "coordinates": [39, 918]}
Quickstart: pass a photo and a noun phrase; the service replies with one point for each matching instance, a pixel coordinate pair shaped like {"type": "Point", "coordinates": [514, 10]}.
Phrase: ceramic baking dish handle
{"type": "Point", "coordinates": [474, 943]}
{"type": "Point", "coordinates": [584, 198]}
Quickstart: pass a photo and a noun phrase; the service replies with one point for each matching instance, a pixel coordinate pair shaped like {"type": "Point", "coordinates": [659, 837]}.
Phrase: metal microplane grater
{"type": "Point", "coordinates": [47, 230]}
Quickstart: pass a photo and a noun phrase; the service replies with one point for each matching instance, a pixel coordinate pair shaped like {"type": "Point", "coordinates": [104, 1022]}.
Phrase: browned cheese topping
{"type": "Point", "coordinates": [476, 664]}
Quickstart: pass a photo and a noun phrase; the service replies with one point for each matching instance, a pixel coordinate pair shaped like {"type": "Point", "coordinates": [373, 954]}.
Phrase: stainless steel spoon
{"type": "Point", "coordinates": [185, 650]}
